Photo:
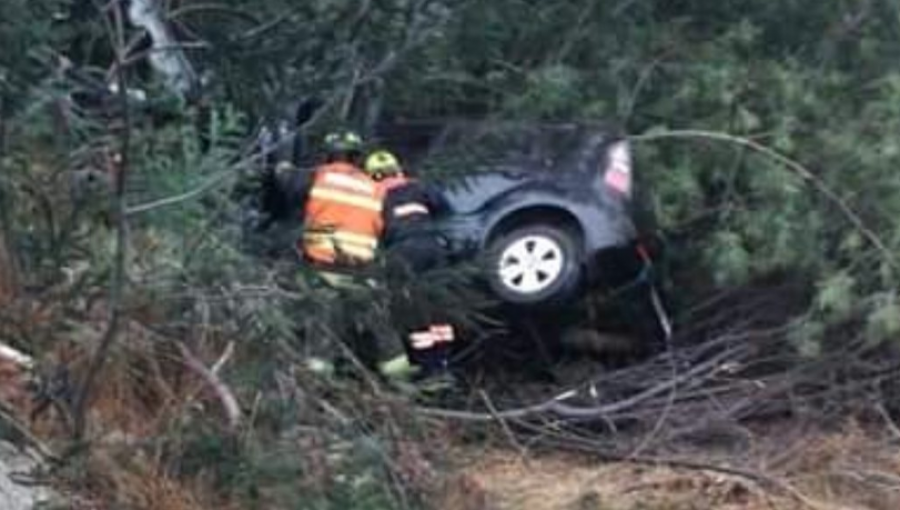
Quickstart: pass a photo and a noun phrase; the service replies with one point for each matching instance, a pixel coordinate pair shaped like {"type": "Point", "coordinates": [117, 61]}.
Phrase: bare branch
{"type": "Point", "coordinates": [210, 376]}
{"type": "Point", "coordinates": [206, 186]}
{"type": "Point", "coordinates": [510, 435]}
{"type": "Point", "coordinates": [558, 406]}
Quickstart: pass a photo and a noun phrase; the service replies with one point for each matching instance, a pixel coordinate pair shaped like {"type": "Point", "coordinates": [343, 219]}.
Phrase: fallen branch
{"type": "Point", "coordinates": [557, 405]}
{"type": "Point", "coordinates": [510, 435]}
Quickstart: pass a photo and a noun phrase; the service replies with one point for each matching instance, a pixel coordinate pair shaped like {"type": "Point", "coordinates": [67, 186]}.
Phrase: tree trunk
{"type": "Point", "coordinates": [8, 283]}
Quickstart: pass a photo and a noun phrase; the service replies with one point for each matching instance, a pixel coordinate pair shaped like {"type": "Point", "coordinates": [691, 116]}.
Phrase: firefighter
{"type": "Point", "coordinates": [342, 209]}
{"type": "Point", "coordinates": [409, 209]}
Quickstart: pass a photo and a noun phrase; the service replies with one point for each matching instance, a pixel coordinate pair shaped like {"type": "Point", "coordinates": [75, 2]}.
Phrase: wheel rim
{"type": "Point", "coordinates": [531, 264]}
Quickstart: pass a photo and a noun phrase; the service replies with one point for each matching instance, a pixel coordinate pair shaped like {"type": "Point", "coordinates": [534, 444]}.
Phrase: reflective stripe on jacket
{"type": "Point", "coordinates": [409, 209]}
{"type": "Point", "coordinates": [343, 215]}
{"type": "Point", "coordinates": [403, 205]}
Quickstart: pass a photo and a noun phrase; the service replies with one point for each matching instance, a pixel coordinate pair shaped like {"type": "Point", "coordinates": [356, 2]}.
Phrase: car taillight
{"type": "Point", "coordinates": [617, 174]}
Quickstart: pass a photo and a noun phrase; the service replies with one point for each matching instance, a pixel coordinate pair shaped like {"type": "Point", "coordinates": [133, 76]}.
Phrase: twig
{"type": "Point", "coordinates": [208, 185]}
{"type": "Point", "coordinates": [223, 359]}
{"type": "Point", "coordinates": [888, 421]}
{"type": "Point", "coordinates": [556, 405]}
{"type": "Point", "coordinates": [251, 418]}
{"type": "Point", "coordinates": [642, 80]}
{"type": "Point", "coordinates": [207, 8]}
{"type": "Point", "coordinates": [670, 404]}
{"type": "Point", "coordinates": [265, 27]}
{"type": "Point", "coordinates": [165, 48]}
{"type": "Point", "coordinates": [576, 32]}
{"type": "Point", "coordinates": [223, 392]}
{"type": "Point", "coordinates": [523, 452]}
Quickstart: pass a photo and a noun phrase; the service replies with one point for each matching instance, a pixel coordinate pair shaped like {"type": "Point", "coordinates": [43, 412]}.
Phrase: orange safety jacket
{"type": "Point", "coordinates": [343, 216]}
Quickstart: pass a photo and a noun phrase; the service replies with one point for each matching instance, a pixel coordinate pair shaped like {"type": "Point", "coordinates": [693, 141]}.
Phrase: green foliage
{"type": "Point", "coordinates": [836, 295]}
{"type": "Point", "coordinates": [883, 322]}
{"type": "Point", "coordinates": [299, 454]}
{"type": "Point", "coordinates": [807, 336]}
{"type": "Point", "coordinates": [26, 30]}
{"type": "Point", "coordinates": [549, 92]}
{"type": "Point", "coordinates": [730, 260]}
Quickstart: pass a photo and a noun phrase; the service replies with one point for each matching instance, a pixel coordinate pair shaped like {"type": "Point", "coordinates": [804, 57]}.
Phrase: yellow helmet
{"type": "Point", "coordinates": [382, 163]}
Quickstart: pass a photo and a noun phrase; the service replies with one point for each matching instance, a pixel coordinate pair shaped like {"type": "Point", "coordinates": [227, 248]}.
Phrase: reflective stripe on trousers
{"type": "Point", "coordinates": [434, 335]}
{"type": "Point", "coordinates": [333, 244]}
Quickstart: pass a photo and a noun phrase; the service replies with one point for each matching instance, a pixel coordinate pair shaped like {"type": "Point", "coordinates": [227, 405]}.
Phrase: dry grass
{"type": "Point", "coordinates": [136, 483]}
{"type": "Point", "coordinates": [144, 391]}
{"type": "Point", "coordinates": [563, 482]}
{"type": "Point", "coordinates": [855, 468]}
{"type": "Point", "coordinates": [134, 405]}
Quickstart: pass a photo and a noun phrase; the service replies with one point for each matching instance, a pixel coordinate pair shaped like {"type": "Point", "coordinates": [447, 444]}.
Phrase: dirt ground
{"type": "Point", "coordinates": [560, 482]}
{"type": "Point", "coordinates": [843, 470]}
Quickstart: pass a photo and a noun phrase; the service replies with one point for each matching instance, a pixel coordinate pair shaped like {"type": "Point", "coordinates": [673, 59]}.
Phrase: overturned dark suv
{"type": "Point", "coordinates": [549, 210]}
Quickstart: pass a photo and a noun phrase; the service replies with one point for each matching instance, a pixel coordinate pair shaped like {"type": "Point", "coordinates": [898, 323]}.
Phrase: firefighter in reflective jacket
{"type": "Point", "coordinates": [409, 209]}
{"type": "Point", "coordinates": [342, 218]}
{"type": "Point", "coordinates": [343, 210]}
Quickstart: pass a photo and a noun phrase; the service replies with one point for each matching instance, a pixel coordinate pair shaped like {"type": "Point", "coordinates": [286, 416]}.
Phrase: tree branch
{"type": "Point", "coordinates": [558, 406]}
{"type": "Point", "coordinates": [116, 36]}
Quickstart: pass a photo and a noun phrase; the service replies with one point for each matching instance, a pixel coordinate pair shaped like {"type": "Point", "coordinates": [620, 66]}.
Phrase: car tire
{"type": "Point", "coordinates": [535, 265]}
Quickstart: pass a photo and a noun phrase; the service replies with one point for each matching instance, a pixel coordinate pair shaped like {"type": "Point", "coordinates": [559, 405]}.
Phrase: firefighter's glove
{"type": "Point", "coordinates": [398, 368]}
{"type": "Point", "coordinates": [320, 366]}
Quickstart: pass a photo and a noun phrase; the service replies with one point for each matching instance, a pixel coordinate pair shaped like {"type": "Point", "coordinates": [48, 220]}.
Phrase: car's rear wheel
{"type": "Point", "coordinates": [536, 264]}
